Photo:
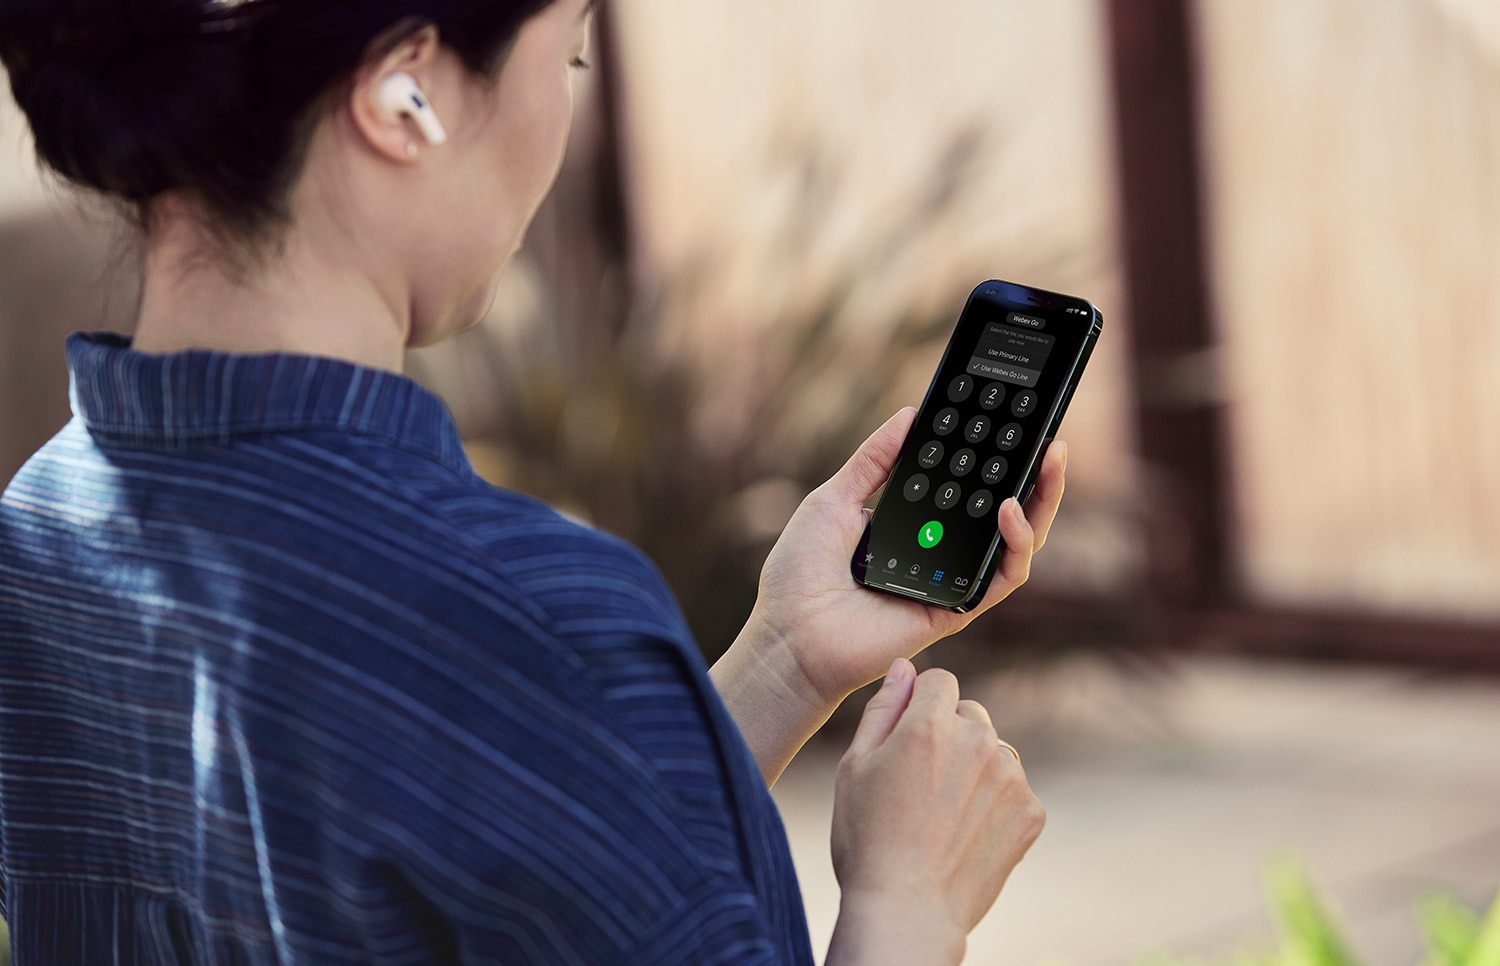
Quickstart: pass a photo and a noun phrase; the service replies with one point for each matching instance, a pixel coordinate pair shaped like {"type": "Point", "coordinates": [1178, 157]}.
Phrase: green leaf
{"type": "Point", "coordinates": [1311, 936]}
{"type": "Point", "coordinates": [1486, 951]}
{"type": "Point", "coordinates": [1450, 927]}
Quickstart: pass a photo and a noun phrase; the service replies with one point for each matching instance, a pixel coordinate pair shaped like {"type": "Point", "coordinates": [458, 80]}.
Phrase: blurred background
{"type": "Point", "coordinates": [1269, 616]}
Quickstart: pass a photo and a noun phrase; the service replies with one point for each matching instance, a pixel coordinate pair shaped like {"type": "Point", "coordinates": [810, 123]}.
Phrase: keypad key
{"type": "Point", "coordinates": [931, 455]}
{"type": "Point", "coordinates": [980, 503]}
{"type": "Point", "coordinates": [959, 389]}
{"type": "Point", "coordinates": [1024, 403]}
{"type": "Point", "coordinates": [916, 487]}
{"type": "Point", "coordinates": [948, 495]}
{"type": "Point", "coordinates": [1009, 437]}
{"type": "Point", "coordinates": [977, 430]}
{"type": "Point", "coordinates": [946, 421]}
{"type": "Point", "coordinates": [993, 396]}
{"type": "Point", "coordinates": [994, 470]}
{"type": "Point", "coordinates": [963, 462]}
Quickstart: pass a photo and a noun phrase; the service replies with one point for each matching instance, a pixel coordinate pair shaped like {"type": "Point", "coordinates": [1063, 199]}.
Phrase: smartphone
{"type": "Point", "coordinates": [997, 399]}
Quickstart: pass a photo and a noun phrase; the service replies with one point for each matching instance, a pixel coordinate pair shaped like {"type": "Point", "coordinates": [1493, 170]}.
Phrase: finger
{"type": "Point", "coordinates": [885, 708]}
{"type": "Point", "coordinates": [1015, 565]}
{"type": "Point", "coordinates": [1041, 509]}
{"type": "Point", "coordinates": [872, 463]}
{"type": "Point", "coordinates": [1020, 541]}
{"type": "Point", "coordinates": [976, 712]}
{"type": "Point", "coordinates": [935, 693]}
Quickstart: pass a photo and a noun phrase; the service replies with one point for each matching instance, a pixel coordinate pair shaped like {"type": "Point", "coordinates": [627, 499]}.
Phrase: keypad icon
{"type": "Point", "coordinates": [966, 463]}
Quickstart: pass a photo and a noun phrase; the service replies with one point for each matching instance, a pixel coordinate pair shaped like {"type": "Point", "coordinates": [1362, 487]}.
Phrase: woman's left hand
{"type": "Point", "coordinates": [815, 635]}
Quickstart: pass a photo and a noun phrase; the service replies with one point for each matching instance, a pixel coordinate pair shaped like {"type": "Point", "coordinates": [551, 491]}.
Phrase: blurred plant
{"type": "Point", "coordinates": [1455, 934]}
{"type": "Point", "coordinates": [689, 409]}
{"type": "Point", "coordinates": [686, 421]}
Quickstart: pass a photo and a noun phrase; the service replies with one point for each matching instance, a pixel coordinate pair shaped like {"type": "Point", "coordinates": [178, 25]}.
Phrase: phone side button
{"type": "Point", "coordinates": [1061, 412]}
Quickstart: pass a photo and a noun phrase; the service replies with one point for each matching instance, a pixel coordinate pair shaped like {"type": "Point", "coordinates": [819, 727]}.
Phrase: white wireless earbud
{"type": "Point", "coordinates": [400, 94]}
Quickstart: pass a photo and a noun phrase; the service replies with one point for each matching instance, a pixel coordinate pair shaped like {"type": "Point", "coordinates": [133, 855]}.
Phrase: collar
{"type": "Point", "coordinates": [200, 396]}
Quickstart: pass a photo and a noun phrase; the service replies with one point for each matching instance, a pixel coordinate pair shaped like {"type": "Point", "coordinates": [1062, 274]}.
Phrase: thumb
{"type": "Point", "coordinates": [872, 463]}
{"type": "Point", "coordinates": [885, 708]}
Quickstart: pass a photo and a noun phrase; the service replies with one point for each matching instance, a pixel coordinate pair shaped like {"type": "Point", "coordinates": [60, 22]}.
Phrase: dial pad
{"type": "Point", "coordinates": [971, 448]}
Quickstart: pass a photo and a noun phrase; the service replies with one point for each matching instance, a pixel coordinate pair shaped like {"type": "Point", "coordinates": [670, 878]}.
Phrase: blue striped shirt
{"type": "Point", "coordinates": [283, 681]}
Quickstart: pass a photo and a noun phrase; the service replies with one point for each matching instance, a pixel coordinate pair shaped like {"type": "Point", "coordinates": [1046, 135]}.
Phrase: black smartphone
{"type": "Point", "coordinates": [999, 395]}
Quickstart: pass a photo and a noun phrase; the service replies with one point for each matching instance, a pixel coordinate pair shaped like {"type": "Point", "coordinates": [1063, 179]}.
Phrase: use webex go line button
{"type": "Point", "coordinates": [1005, 373]}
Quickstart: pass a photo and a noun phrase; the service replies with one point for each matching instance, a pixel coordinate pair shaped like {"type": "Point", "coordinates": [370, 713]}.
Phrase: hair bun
{"type": "Point", "coordinates": [216, 98]}
{"type": "Point", "coordinates": [119, 93]}
{"type": "Point", "coordinates": [94, 33]}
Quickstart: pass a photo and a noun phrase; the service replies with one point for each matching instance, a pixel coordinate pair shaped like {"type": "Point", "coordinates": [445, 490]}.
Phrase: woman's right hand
{"type": "Point", "coordinates": [930, 816]}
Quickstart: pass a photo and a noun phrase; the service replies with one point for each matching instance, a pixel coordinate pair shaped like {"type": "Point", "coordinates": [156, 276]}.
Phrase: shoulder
{"type": "Point", "coordinates": [600, 600]}
{"type": "Point", "coordinates": [583, 579]}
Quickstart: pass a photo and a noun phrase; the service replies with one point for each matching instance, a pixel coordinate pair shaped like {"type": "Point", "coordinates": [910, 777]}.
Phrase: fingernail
{"type": "Point", "coordinates": [894, 673]}
{"type": "Point", "coordinates": [1064, 456]}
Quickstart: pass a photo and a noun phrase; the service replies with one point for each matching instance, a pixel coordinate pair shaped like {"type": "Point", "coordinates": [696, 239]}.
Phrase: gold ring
{"type": "Point", "coordinates": [1010, 748]}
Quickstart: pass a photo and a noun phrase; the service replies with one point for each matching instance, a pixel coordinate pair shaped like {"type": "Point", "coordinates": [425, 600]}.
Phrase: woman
{"type": "Point", "coordinates": [282, 681]}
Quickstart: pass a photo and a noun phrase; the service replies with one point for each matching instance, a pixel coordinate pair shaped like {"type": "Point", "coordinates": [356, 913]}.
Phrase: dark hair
{"type": "Point", "coordinates": [219, 98]}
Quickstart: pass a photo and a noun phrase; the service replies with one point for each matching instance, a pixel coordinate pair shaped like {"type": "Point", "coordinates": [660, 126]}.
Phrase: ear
{"type": "Point", "coordinates": [390, 135]}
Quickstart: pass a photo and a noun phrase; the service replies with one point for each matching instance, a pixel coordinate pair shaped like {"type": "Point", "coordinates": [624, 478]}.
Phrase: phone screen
{"type": "Point", "coordinates": [997, 399]}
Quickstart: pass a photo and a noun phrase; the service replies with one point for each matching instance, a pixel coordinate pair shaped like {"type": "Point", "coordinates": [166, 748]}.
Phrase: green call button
{"type": "Point", "coordinates": [931, 534]}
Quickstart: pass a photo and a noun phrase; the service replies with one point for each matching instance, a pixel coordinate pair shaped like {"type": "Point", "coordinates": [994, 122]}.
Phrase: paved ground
{"type": "Point", "coordinates": [1166, 790]}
